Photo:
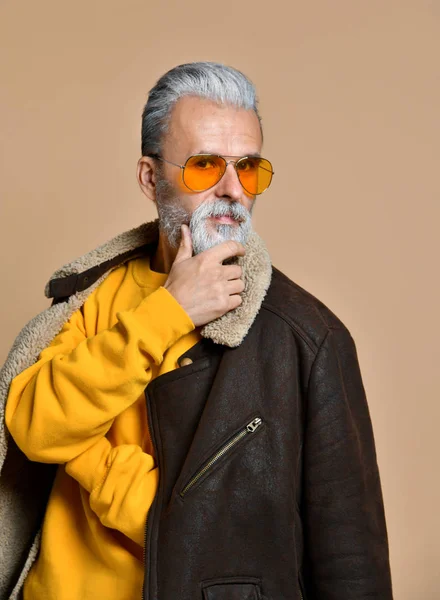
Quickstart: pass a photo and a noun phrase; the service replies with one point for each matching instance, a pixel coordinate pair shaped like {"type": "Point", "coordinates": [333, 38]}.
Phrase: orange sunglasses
{"type": "Point", "coordinates": [202, 171]}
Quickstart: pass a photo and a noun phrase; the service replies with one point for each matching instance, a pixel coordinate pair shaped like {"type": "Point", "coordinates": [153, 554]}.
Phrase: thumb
{"type": "Point", "coordinates": [185, 249]}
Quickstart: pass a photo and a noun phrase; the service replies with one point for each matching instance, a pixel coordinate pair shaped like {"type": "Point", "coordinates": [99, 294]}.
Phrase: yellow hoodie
{"type": "Point", "coordinates": [82, 405]}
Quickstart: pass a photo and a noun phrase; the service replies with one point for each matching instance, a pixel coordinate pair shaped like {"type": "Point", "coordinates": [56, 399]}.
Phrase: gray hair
{"type": "Point", "coordinates": [210, 80]}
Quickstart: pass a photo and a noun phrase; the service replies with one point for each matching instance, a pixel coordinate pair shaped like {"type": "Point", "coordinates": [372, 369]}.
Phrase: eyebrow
{"type": "Point", "coordinates": [257, 154]}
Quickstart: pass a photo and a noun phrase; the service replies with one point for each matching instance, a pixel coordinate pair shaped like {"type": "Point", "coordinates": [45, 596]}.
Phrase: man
{"type": "Point", "coordinates": [187, 423]}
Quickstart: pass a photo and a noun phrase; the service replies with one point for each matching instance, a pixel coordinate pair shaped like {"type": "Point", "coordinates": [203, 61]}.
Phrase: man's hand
{"type": "Point", "coordinates": [204, 287]}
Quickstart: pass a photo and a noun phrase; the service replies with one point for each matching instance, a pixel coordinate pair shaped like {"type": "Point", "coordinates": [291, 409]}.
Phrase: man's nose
{"type": "Point", "coordinates": [229, 185]}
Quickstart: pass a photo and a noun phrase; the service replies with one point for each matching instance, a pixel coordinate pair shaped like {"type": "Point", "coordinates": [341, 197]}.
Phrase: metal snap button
{"type": "Point", "coordinates": [186, 361]}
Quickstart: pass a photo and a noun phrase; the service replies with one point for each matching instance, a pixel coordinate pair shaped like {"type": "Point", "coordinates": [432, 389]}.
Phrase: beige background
{"type": "Point", "coordinates": [350, 96]}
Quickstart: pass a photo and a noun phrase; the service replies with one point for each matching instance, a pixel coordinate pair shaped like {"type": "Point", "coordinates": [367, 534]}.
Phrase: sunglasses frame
{"type": "Point", "coordinates": [227, 162]}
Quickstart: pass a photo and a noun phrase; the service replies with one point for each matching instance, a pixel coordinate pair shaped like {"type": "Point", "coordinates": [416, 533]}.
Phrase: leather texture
{"type": "Point", "coordinates": [297, 500]}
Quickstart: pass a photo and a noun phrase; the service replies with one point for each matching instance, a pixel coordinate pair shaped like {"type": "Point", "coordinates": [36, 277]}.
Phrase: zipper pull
{"type": "Point", "coordinates": [253, 425]}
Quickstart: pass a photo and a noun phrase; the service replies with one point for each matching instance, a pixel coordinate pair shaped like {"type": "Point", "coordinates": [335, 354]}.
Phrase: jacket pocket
{"type": "Point", "coordinates": [248, 430]}
{"type": "Point", "coordinates": [232, 588]}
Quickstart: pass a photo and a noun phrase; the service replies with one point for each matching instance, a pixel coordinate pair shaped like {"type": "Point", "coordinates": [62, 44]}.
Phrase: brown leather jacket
{"type": "Point", "coordinates": [269, 484]}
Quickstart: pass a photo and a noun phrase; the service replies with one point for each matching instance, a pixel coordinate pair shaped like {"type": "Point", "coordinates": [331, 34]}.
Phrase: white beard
{"type": "Point", "coordinates": [205, 234]}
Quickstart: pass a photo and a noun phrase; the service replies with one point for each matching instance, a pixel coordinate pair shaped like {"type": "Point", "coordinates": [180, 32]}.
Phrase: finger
{"type": "Point", "coordinates": [235, 286]}
{"type": "Point", "coordinates": [185, 248]}
{"type": "Point", "coordinates": [234, 301]}
{"type": "Point", "coordinates": [232, 271]}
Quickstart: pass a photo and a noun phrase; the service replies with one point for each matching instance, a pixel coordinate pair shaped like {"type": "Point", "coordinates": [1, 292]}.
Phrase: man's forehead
{"type": "Point", "coordinates": [203, 124]}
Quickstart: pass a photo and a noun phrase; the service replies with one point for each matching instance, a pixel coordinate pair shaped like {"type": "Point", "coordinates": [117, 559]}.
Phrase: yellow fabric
{"type": "Point", "coordinates": [82, 405]}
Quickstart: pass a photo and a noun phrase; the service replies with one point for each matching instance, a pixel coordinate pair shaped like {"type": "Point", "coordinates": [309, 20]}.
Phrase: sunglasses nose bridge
{"type": "Point", "coordinates": [224, 172]}
{"type": "Point", "coordinates": [224, 166]}
{"type": "Point", "coordinates": [234, 164]}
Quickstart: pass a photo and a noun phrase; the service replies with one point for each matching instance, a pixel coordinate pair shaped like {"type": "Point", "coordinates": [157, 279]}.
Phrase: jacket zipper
{"type": "Point", "coordinates": [248, 429]}
{"type": "Point", "coordinates": [301, 595]}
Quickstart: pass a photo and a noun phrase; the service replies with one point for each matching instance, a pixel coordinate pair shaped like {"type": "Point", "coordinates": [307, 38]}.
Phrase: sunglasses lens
{"type": "Point", "coordinates": [255, 174]}
{"type": "Point", "coordinates": [203, 171]}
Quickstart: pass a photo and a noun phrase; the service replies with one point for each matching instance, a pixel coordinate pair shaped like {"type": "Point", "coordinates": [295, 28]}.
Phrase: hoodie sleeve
{"type": "Point", "coordinates": [65, 402]}
{"type": "Point", "coordinates": [122, 482]}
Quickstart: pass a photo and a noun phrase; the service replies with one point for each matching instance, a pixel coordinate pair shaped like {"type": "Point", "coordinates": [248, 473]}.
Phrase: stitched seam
{"type": "Point", "coordinates": [310, 343]}
{"type": "Point", "coordinates": [304, 293]}
{"type": "Point", "coordinates": [101, 481]}
{"type": "Point", "coordinates": [308, 387]}
{"type": "Point", "coordinates": [316, 356]}
{"type": "Point", "coordinates": [300, 332]}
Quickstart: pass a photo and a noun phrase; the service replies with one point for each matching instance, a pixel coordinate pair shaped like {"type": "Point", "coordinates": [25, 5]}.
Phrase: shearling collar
{"type": "Point", "coordinates": [95, 266]}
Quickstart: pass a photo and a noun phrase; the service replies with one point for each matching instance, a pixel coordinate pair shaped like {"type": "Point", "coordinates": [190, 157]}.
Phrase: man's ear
{"type": "Point", "coordinates": [146, 176]}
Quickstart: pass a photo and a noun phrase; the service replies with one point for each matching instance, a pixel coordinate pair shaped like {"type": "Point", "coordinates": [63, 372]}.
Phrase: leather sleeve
{"type": "Point", "coordinates": [345, 534]}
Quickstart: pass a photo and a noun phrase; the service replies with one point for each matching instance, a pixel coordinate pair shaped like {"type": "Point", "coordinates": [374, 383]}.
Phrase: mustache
{"type": "Point", "coordinates": [221, 208]}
